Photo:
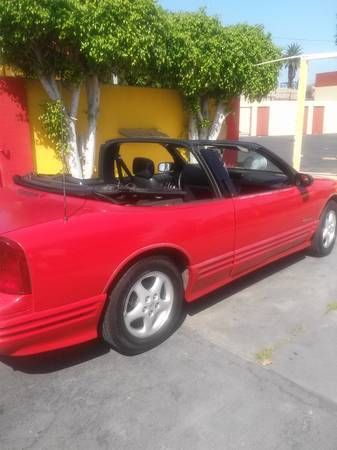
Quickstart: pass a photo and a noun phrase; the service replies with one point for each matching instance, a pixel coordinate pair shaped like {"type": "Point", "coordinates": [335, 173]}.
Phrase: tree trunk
{"type": "Point", "coordinates": [193, 132]}
{"type": "Point", "coordinates": [50, 86]}
{"type": "Point", "coordinates": [219, 118]}
{"type": "Point", "coordinates": [73, 156]}
{"type": "Point", "coordinates": [93, 93]}
{"type": "Point", "coordinates": [204, 119]}
{"type": "Point", "coordinates": [291, 75]}
{"type": "Point", "coordinates": [73, 159]}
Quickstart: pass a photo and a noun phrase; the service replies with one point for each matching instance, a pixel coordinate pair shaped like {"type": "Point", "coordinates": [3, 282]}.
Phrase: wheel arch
{"type": "Point", "coordinates": [333, 198]}
{"type": "Point", "coordinates": [175, 254]}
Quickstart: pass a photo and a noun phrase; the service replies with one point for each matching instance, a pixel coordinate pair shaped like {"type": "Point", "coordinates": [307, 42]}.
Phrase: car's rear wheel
{"type": "Point", "coordinates": [325, 236]}
{"type": "Point", "coordinates": [145, 307]}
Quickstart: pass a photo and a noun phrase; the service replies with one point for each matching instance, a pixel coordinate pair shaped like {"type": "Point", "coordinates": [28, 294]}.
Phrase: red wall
{"type": "Point", "coordinates": [15, 139]}
{"type": "Point", "coordinates": [230, 128]}
{"type": "Point", "coordinates": [318, 120]}
{"type": "Point", "coordinates": [326, 79]}
{"type": "Point", "coordinates": [233, 120]}
{"type": "Point", "coordinates": [262, 126]}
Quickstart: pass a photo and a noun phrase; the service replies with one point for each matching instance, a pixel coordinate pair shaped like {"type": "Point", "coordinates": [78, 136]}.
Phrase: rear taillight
{"type": "Point", "coordinates": [14, 273]}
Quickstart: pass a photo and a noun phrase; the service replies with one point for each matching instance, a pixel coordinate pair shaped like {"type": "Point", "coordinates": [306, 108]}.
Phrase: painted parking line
{"type": "Point", "coordinates": [323, 175]}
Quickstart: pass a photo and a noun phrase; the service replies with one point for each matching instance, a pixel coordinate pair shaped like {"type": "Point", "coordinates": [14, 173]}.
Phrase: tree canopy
{"type": "Point", "coordinates": [80, 43]}
{"type": "Point", "coordinates": [207, 60]}
{"type": "Point", "coordinates": [77, 38]}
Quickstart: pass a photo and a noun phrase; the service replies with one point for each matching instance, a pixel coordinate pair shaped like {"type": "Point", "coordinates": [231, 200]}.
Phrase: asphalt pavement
{"type": "Point", "coordinates": [253, 366]}
{"type": "Point", "coordinates": [319, 153]}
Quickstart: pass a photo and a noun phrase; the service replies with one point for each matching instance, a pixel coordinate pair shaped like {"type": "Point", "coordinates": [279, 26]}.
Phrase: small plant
{"type": "Point", "coordinates": [331, 307]}
{"type": "Point", "coordinates": [264, 356]}
{"type": "Point", "coordinates": [54, 121]}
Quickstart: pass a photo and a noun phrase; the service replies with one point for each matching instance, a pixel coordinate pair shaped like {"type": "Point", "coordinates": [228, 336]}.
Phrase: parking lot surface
{"type": "Point", "coordinates": [204, 388]}
{"type": "Point", "coordinates": [319, 153]}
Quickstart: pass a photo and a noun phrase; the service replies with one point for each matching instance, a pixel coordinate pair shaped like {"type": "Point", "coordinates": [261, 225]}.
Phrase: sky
{"type": "Point", "coordinates": [312, 24]}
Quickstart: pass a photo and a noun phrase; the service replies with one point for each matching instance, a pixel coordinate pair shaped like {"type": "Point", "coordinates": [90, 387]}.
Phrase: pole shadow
{"type": "Point", "coordinates": [246, 281]}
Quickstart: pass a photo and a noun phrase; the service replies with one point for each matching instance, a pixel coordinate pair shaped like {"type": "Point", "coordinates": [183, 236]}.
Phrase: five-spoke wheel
{"type": "Point", "coordinates": [148, 304]}
{"type": "Point", "coordinates": [145, 306]}
{"type": "Point", "coordinates": [325, 236]}
{"type": "Point", "coordinates": [329, 229]}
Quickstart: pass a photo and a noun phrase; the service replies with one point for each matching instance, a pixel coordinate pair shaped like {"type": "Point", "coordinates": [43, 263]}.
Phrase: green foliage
{"type": "Point", "coordinates": [136, 40]}
{"type": "Point", "coordinates": [55, 123]}
{"type": "Point", "coordinates": [74, 39]}
{"type": "Point", "coordinates": [124, 37]}
{"type": "Point", "coordinates": [265, 356]}
{"type": "Point", "coordinates": [331, 307]}
{"type": "Point", "coordinates": [30, 37]}
{"type": "Point", "coordinates": [246, 46]}
{"type": "Point", "coordinates": [207, 59]}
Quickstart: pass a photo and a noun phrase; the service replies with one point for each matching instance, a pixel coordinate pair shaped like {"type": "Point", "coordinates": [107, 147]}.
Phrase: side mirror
{"type": "Point", "coordinates": [303, 179]}
{"type": "Point", "coordinates": [165, 167]}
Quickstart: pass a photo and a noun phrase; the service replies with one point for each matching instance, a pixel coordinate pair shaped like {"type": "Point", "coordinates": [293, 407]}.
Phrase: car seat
{"type": "Point", "coordinates": [143, 173]}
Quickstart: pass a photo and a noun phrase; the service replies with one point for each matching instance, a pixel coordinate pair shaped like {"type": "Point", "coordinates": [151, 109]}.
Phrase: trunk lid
{"type": "Point", "coordinates": [22, 207]}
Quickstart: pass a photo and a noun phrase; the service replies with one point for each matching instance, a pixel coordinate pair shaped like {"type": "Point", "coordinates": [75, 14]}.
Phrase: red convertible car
{"type": "Point", "coordinates": [117, 256]}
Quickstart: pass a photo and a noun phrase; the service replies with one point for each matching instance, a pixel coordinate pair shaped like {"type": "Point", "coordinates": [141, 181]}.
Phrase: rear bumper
{"type": "Point", "coordinates": [25, 332]}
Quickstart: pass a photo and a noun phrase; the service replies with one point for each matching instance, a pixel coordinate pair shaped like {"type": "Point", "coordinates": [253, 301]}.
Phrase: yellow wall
{"type": "Point", "coordinates": [121, 107]}
{"type": "Point", "coordinates": [6, 71]}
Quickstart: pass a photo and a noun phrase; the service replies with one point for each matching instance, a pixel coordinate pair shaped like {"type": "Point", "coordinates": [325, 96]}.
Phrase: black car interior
{"type": "Point", "coordinates": [254, 181]}
{"type": "Point", "coordinates": [252, 172]}
{"type": "Point", "coordinates": [249, 171]}
{"type": "Point", "coordinates": [181, 175]}
{"type": "Point", "coordinates": [188, 178]}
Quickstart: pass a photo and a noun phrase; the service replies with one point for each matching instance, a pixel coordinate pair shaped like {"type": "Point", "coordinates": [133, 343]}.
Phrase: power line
{"type": "Point", "coordinates": [303, 39]}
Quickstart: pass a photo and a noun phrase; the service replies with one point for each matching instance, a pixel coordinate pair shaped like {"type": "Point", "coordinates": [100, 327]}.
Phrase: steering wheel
{"type": "Point", "coordinates": [180, 180]}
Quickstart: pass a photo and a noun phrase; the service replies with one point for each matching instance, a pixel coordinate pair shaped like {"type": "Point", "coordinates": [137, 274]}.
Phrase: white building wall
{"type": "Point", "coordinates": [326, 93]}
{"type": "Point", "coordinates": [245, 121]}
{"type": "Point", "coordinates": [330, 118]}
{"type": "Point", "coordinates": [310, 118]}
{"type": "Point", "coordinates": [253, 120]}
{"type": "Point", "coordinates": [282, 116]}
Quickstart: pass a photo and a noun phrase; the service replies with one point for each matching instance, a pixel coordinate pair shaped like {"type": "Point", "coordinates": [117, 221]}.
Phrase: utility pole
{"type": "Point", "coordinates": [302, 88]}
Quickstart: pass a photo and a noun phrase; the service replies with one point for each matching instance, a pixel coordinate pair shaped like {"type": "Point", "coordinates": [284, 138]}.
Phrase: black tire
{"type": "Point", "coordinates": [114, 329]}
{"type": "Point", "coordinates": [319, 246]}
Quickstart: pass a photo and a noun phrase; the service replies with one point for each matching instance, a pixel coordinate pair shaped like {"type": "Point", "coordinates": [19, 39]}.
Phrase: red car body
{"type": "Point", "coordinates": [73, 263]}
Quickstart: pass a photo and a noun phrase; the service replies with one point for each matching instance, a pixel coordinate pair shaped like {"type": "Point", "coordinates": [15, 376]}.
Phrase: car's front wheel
{"type": "Point", "coordinates": [145, 306]}
{"type": "Point", "coordinates": [325, 236]}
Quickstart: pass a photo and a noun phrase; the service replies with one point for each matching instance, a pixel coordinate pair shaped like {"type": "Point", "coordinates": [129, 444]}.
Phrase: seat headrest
{"type": "Point", "coordinates": [255, 162]}
{"type": "Point", "coordinates": [194, 175]}
{"type": "Point", "coordinates": [143, 167]}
